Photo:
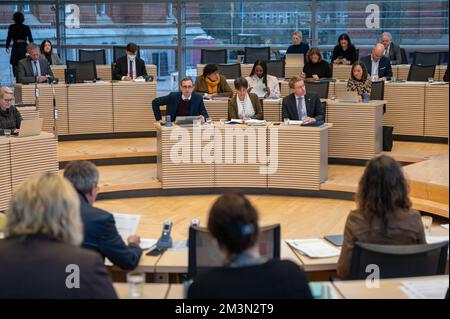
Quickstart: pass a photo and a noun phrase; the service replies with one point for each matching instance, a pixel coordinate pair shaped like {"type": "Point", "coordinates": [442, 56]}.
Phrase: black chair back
{"type": "Point", "coordinates": [276, 68]}
{"type": "Point", "coordinates": [97, 55]}
{"type": "Point", "coordinates": [204, 253]}
{"type": "Point", "coordinates": [426, 58]}
{"type": "Point", "coordinates": [404, 56]}
{"type": "Point", "coordinates": [357, 54]}
{"type": "Point", "coordinates": [421, 73]}
{"type": "Point", "coordinates": [394, 261]}
{"type": "Point", "coordinates": [119, 51]}
{"type": "Point", "coordinates": [320, 88]}
{"type": "Point", "coordinates": [254, 53]}
{"type": "Point", "coordinates": [85, 70]}
{"type": "Point", "coordinates": [230, 71]}
{"type": "Point", "coordinates": [377, 91]}
{"type": "Point", "coordinates": [214, 56]}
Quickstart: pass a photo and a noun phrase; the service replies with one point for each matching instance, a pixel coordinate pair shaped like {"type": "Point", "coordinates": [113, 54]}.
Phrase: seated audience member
{"type": "Point", "coordinates": [391, 50]}
{"type": "Point", "coordinates": [129, 67]}
{"type": "Point", "coordinates": [47, 52]}
{"type": "Point", "coordinates": [212, 83]}
{"type": "Point", "coordinates": [100, 232]}
{"type": "Point", "coordinates": [316, 68]}
{"type": "Point", "coordinates": [359, 81]}
{"type": "Point", "coordinates": [40, 255]}
{"type": "Point", "coordinates": [34, 68]}
{"type": "Point", "coordinates": [344, 52]}
{"type": "Point", "coordinates": [262, 84]}
{"type": "Point", "coordinates": [377, 65]}
{"type": "Point", "coordinates": [383, 214]}
{"type": "Point", "coordinates": [233, 223]}
{"type": "Point", "coordinates": [10, 117]}
{"type": "Point", "coordinates": [184, 103]}
{"type": "Point", "coordinates": [244, 105]}
{"type": "Point", "coordinates": [298, 47]}
{"type": "Point", "coordinates": [300, 105]}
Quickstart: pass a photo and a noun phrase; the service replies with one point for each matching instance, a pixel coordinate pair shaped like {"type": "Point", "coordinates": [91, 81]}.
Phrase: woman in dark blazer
{"type": "Point", "coordinates": [344, 52]}
{"type": "Point", "coordinates": [18, 33]}
{"type": "Point", "coordinates": [244, 105]}
{"type": "Point", "coordinates": [212, 83]}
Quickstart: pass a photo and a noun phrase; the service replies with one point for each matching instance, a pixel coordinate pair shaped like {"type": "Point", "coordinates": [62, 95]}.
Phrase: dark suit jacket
{"type": "Point", "coordinates": [121, 67]}
{"type": "Point", "coordinates": [395, 55]}
{"type": "Point", "coordinates": [172, 102]}
{"type": "Point", "coordinates": [384, 66]}
{"type": "Point", "coordinates": [35, 267]}
{"type": "Point", "coordinates": [100, 234]}
{"type": "Point", "coordinates": [25, 72]}
{"type": "Point", "coordinates": [313, 105]}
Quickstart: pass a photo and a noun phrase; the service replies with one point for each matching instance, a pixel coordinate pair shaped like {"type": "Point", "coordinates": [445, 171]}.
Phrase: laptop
{"type": "Point", "coordinates": [348, 96]}
{"type": "Point", "coordinates": [30, 127]}
{"type": "Point", "coordinates": [295, 59]}
{"type": "Point", "coordinates": [185, 120]}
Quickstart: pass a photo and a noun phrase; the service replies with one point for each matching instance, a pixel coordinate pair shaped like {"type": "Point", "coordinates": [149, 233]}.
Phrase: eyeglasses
{"type": "Point", "coordinates": [187, 87]}
{"type": "Point", "coordinates": [8, 100]}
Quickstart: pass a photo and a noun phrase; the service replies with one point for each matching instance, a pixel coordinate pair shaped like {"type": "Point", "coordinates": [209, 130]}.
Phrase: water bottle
{"type": "Point", "coordinates": [365, 97]}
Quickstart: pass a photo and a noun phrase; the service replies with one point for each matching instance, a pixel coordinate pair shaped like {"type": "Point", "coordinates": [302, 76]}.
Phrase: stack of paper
{"type": "Point", "coordinates": [255, 122]}
{"type": "Point", "coordinates": [314, 247]}
{"type": "Point", "coordinates": [235, 121]}
{"type": "Point", "coordinates": [425, 289]}
{"type": "Point", "coordinates": [293, 122]}
{"type": "Point", "coordinates": [126, 224]}
{"type": "Point", "coordinates": [445, 226]}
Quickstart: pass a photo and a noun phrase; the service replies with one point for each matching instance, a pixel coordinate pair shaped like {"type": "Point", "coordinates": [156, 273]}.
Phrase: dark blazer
{"type": "Point", "coordinates": [301, 48]}
{"type": "Point", "coordinates": [395, 55]}
{"type": "Point", "coordinates": [121, 67]}
{"type": "Point", "coordinates": [25, 72]}
{"type": "Point", "coordinates": [35, 267]}
{"type": "Point", "coordinates": [384, 66]}
{"type": "Point", "coordinates": [313, 105]}
{"type": "Point", "coordinates": [275, 279]}
{"type": "Point", "coordinates": [172, 102]}
{"type": "Point", "coordinates": [100, 235]}
{"type": "Point", "coordinates": [233, 107]}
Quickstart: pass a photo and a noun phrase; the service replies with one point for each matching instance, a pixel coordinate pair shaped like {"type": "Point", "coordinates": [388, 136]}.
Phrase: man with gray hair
{"type": "Point", "coordinates": [34, 68]}
{"type": "Point", "coordinates": [391, 50]}
{"type": "Point", "coordinates": [100, 232]}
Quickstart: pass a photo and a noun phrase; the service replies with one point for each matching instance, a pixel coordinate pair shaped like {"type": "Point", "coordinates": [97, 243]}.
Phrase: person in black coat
{"type": "Point", "coordinates": [233, 223]}
{"type": "Point", "coordinates": [184, 103]}
{"type": "Point", "coordinates": [129, 66]}
{"type": "Point", "coordinates": [18, 33]}
{"type": "Point", "coordinates": [300, 105]}
{"type": "Point", "coordinates": [40, 255]}
{"type": "Point", "coordinates": [344, 52]}
{"type": "Point", "coordinates": [100, 232]}
{"type": "Point", "coordinates": [316, 68]}
{"type": "Point", "coordinates": [298, 47]}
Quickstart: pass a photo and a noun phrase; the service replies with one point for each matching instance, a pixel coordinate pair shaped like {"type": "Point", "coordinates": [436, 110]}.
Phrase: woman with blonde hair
{"type": "Point", "coordinates": [40, 255]}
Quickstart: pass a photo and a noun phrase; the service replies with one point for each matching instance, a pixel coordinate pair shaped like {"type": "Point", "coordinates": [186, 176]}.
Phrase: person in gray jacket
{"type": "Point", "coordinates": [34, 68]}
{"type": "Point", "coordinates": [391, 50]}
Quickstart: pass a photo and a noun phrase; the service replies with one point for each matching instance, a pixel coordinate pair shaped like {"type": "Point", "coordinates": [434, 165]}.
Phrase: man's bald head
{"type": "Point", "coordinates": [377, 52]}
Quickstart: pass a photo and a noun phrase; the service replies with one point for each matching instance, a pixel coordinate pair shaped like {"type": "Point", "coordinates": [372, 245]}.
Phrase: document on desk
{"type": "Point", "coordinates": [445, 226]}
{"type": "Point", "coordinates": [314, 247]}
{"type": "Point", "coordinates": [126, 224]}
{"type": "Point", "coordinates": [253, 122]}
{"type": "Point", "coordinates": [425, 289]}
{"type": "Point", "coordinates": [293, 122]}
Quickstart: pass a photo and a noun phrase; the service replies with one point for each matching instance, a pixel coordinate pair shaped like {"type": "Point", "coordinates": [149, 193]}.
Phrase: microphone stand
{"type": "Point", "coordinates": [55, 111]}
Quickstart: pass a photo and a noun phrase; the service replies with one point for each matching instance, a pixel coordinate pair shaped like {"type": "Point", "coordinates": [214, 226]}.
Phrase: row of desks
{"type": "Point", "coordinates": [22, 157]}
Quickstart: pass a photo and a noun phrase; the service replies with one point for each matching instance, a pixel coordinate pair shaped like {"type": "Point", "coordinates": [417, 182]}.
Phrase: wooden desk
{"type": "Point", "coordinates": [217, 109]}
{"type": "Point", "coordinates": [436, 110]}
{"type": "Point", "coordinates": [151, 291]}
{"type": "Point", "coordinates": [21, 157]}
{"type": "Point", "coordinates": [389, 288]}
{"type": "Point", "coordinates": [28, 112]}
{"type": "Point", "coordinates": [272, 110]}
{"type": "Point", "coordinates": [341, 71]}
{"type": "Point", "coordinates": [401, 71]}
{"type": "Point", "coordinates": [357, 129]}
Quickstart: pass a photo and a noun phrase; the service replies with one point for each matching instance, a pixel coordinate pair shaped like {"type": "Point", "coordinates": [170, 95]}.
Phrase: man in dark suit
{"type": "Point", "coordinates": [301, 105]}
{"type": "Point", "coordinates": [129, 66]}
{"type": "Point", "coordinates": [391, 50]}
{"type": "Point", "coordinates": [100, 232]}
{"type": "Point", "coordinates": [33, 68]}
{"type": "Point", "coordinates": [377, 65]}
{"type": "Point", "coordinates": [184, 103]}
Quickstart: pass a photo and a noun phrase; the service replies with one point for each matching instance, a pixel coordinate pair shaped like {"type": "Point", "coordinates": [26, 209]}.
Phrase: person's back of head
{"type": "Point", "coordinates": [233, 222]}
{"type": "Point", "coordinates": [45, 204]}
{"type": "Point", "coordinates": [18, 18]}
{"type": "Point", "coordinates": [84, 177]}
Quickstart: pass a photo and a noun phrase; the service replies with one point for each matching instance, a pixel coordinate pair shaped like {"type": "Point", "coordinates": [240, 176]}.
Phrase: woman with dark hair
{"type": "Point", "coordinates": [383, 214]}
{"type": "Point", "coordinates": [262, 84]}
{"type": "Point", "coordinates": [244, 105]}
{"type": "Point", "coordinates": [316, 67]}
{"type": "Point", "coordinates": [359, 81]}
{"type": "Point", "coordinates": [46, 51]}
{"type": "Point", "coordinates": [344, 52]}
{"type": "Point", "coordinates": [233, 223]}
{"type": "Point", "coordinates": [18, 33]}
{"type": "Point", "coordinates": [212, 83]}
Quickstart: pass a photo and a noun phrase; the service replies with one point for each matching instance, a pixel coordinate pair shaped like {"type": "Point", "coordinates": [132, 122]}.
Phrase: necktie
{"type": "Point", "coordinates": [300, 107]}
{"type": "Point", "coordinates": [36, 69]}
{"type": "Point", "coordinates": [131, 69]}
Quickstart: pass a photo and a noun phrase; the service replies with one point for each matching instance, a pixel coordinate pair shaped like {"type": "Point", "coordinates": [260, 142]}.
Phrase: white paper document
{"type": "Point", "coordinates": [126, 224]}
{"type": "Point", "coordinates": [255, 122]}
{"type": "Point", "coordinates": [445, 226]}
{"type": "Point", "coordinates": [147, 243]}
{"type": "Point", "coordinates": [294, 122]}
{"type": "Point", "coordinates": [425, 289]}
{"type": "Point", "coordinates": [314, 247]}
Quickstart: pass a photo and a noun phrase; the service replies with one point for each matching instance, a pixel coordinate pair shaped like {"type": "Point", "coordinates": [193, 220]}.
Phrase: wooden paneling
{"type": "Point", "coordinates": [217, 109]}
{"type": "Point", "coordinates": [272, 110]}
{"type": "Point", "coordinates": [284, 88]}
{"type": "Point", "coordinates": [356, 131]}
{"type": "Point", "coordinates": [291, 71]}
{"type": "Point", "coordinates": [28, 113]}
{"type": "Point", "coordinates": [5, 173]}
{"type": "Point", "coordinates": [436, 110]}
{"type": "Point", "coordinates": [405, 108]}
{"type": "Point", "coordinates": [90, 113]}
{"type": "Point", "coordinates": [132, 106]}
{"type": "Point", "coordinates": [341, 72]}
